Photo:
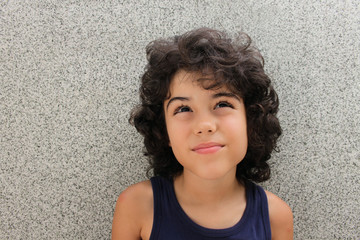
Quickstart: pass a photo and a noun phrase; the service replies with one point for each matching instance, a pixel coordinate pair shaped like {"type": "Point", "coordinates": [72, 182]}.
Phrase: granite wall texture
{"type": "Point", "coordinates": [69, 75]}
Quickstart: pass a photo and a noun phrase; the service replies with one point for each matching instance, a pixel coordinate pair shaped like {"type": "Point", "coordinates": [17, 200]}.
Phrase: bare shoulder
{"type": "Point", "coordinates": [133, 212]}
{"type": "Point", "coordinates": [281, 217]}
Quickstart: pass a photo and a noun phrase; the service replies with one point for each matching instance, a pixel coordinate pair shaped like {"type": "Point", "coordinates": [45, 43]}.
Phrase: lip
{"type": "Point", "coordinates": [207, 148]}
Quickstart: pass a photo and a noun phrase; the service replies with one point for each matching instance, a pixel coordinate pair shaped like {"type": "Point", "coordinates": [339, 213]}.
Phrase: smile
{"type": "Point", "coordinates": [207, 148]}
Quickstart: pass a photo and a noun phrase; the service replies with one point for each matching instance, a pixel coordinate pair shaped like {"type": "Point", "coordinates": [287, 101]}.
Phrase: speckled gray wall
{"type": "Point", "coordinates": [69, 75]}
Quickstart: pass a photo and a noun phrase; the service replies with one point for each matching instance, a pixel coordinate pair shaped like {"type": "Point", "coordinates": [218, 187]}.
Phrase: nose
{"type": "Point", "coordinates": [205, 125]}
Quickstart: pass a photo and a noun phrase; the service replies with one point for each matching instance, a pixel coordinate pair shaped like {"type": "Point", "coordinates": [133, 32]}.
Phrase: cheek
{"type": "Point", "coordinates": [176, 133]}
{"type": "Point", "coordinates": [238, 139]}
{"type": "Point", "coordinates": [178, 142]}
{"type": "Point", "coordinates": [236, 127]}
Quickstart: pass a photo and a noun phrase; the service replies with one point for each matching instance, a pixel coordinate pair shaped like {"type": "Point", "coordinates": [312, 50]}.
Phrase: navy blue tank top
{"type": "Point", "coordinates": [172, 223]}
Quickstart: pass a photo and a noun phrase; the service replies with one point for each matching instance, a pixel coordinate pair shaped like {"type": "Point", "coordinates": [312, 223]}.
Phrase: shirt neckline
{"type": "Point", "coordinates": [209, 232]}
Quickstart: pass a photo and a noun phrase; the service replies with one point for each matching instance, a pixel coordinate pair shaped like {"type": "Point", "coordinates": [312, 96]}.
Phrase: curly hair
{"type": "Point", "coordinates": [235, 64]}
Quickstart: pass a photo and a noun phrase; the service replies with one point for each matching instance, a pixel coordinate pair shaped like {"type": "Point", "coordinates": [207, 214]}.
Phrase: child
{"type": "Point", "coordinates": [208, 117]}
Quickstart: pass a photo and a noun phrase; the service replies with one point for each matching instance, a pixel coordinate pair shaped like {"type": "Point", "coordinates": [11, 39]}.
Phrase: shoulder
{"type": "Point", "coordinates": [133, 211]}
{"type": "Point", "coordinates": [141, 189]}
{"type": "Point", "coordinates": [281, 217]}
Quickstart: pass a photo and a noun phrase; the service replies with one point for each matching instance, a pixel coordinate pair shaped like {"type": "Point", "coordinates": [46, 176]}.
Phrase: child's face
{"type": "Point", "coordinates": [206, 128]}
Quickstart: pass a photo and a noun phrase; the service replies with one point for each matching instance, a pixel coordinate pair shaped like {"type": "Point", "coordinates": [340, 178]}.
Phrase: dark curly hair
{"type": "Point", "coordinates": [235, 64]}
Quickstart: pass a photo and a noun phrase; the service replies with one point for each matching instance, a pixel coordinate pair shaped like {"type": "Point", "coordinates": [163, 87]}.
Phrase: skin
{"type": "Point", "coordinates": [207, 132]}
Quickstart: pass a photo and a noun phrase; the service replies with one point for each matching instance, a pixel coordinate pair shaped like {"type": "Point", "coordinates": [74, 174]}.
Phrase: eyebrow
{"type": "Point", "coordinates": [176, 98]}
{"type": "Point", "coordinates": [216, 95]}
{"type": "Point", "coordinates": [226, 94]}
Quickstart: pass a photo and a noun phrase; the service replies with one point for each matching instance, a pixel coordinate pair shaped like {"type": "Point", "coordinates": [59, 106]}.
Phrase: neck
{"type": "Point", "coordinates": [192, 189]}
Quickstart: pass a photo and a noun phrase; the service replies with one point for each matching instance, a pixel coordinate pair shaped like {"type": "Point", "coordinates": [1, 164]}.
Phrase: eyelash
{"type": "Point", "coordinates": [225, 102]}
{"type": "Point", "coordinates": [178, 109]}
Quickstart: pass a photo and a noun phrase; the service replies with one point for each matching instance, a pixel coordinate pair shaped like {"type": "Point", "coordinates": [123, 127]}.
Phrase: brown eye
{"type": "Point", "coordinates": [223, 104]}
{"type": "Point", "coordinates": [182, 109]}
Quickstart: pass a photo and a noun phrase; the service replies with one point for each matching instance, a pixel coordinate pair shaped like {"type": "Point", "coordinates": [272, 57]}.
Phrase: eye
{"type": "Point", "coordinates": [182, 109]}
{"type": "Point", "coordinates": [223, 104]}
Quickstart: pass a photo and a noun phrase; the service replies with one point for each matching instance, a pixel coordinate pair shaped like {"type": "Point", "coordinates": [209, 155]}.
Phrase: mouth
{"type": "Point", "coordinates": [207, 148]}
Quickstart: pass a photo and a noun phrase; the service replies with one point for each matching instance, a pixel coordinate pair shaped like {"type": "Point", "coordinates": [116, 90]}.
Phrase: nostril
{"type": "Point", "coordinates": [208, 131]}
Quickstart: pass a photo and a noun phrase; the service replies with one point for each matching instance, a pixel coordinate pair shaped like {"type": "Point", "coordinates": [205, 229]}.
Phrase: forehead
{"type": "Point", "coordinates": [183, 79]}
